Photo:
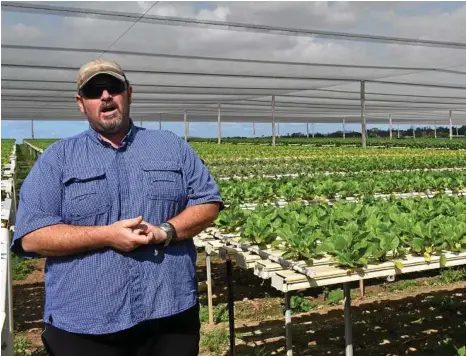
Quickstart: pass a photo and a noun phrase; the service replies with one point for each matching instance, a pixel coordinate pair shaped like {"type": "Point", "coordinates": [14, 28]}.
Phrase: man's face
{"type": "Point", "coordinates": [106, 103]}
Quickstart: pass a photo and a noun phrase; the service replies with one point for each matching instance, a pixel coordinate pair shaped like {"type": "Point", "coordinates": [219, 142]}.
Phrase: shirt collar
{"type": "Point", "coordinates": [129, 137]}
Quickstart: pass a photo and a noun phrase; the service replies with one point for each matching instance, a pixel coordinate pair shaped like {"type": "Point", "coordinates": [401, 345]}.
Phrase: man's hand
{"type": "Point", "coordinates": [126, 235]}
{"type": "Point", "coordinates": [158, 235]}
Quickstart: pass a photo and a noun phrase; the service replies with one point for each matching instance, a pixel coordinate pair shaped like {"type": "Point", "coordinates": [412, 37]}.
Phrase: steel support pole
{"type": "Point", "coordinates": [451, 127]}
{"type": "Point", "coordinates": [209, 289]}
{"type": "Point", "coordinates": [160, 121]}
{"type": "Point", "coordinates": [414, 131]}
{"type": "Point", "coordinates": [313, 131]}
{"type": "Point", "coordinates": [231, 307]}
{"type": "Point", "coordinates": [307, 129]}
{"type": "Point", "coordinates": [390, 124]}
{"type": "Point", "coordinates": [288, 335]}
{"type": "Point", "coordinates": [8, 326]}
{"type": "Point", "coordinates": [278, 129]}
{"type": "Point", "coordinates": [254, 129]}
{"type": "Point", "coordinates": [398, 134]}
{"type": "Point", "coordinates": [273, 120]}
{"type": "Point", "coordinates": [32, 128]}
{"type": "Point", "coordinates": [348, 323]}
{"type": "Point", "coordinates": [219, 126]}
{"type": "Point", "coordinates": [363, 114]}
{"type": "Point", "coordinates": [141, 122]}
{"type": "Point", "coordinates": [457, 135]}
{"type": "Point", "coordinates": [344, 130]}
{"type": "Point", "coordinates": [435, 131]}
{"type": "Point", "coordinates": [185, 126]}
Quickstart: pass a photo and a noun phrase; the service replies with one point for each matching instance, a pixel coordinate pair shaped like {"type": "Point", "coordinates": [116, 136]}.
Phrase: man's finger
{"type": "Point", "coordinates": [132, 222]}
{"type": "Point", "coordinates": [142, 239]}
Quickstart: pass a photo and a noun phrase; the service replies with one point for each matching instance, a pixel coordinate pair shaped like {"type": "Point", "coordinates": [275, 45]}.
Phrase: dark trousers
{"type": "Point", "coordinates": [177, 335]}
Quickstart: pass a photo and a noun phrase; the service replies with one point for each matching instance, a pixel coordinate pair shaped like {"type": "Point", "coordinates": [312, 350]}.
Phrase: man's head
{"type": "Point", "coordinates": [104, 96]}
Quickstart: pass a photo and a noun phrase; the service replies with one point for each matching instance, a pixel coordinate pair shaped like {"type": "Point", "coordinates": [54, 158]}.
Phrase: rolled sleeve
{"type": "Point", "coordinates": [201, 186]}
{"type": "Point", "coordinates": [39, 199]}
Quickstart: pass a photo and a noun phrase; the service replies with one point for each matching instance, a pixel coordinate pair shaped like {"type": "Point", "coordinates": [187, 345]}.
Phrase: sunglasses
{"type": "Point", "coordinates": [95, 90]}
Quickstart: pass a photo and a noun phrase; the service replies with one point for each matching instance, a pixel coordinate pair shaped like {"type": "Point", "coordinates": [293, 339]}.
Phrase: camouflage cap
{"type": "Point", "coordinates": [99, 66]}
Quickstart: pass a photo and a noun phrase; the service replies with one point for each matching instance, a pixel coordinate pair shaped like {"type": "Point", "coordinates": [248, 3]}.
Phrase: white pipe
{"type": "Point", "coordinates": [185, 127]}
{"type": "Point", "coordinates": [7, 294]}
{"type": "Point", "coordinates": [219, 141]}
{"type": "Point", "coordinates": [273, 120]}
{"type": "Point", "coordinates": [451, 126]}
{"type": "Point", "coordinates": [390, 124]}
{"type": "Point", "coordinates": [363, 114]}
{"type": "Point", "coordinates": [344, 130]}
{"type": "Point", "coordinates": [282, 262]}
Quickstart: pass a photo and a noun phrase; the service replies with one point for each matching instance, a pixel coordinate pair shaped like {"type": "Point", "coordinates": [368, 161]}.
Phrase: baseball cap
{"type": "Point", "coordinates": [96, 67]}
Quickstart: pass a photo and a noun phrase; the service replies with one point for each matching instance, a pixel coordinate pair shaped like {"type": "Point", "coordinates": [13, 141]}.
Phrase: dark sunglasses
{"type": "Point", "coordinates": [94, 91]}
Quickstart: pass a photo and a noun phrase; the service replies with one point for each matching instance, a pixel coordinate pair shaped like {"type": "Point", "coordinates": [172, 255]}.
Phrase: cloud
{"type": "Point", "coordinates": [21, 32]}
{"type": "Point", "coordinates": [441, 22]}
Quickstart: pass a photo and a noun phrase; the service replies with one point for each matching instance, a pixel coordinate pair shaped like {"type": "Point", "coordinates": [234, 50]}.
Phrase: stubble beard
{"type": "Point", "coordinates": [111, 124]}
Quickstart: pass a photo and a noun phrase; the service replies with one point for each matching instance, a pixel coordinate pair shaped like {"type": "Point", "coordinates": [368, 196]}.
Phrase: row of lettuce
{"type": "Point", "coordinates": [320, 187]}
{"type": "Point", "coordinates": [455, 143]}
{"type": "Point", "coordinates": [7, 147]}
{"type": "Point", "coordinates": [306, 166]}
{"type": "Point", "coordinates": [354, 234]}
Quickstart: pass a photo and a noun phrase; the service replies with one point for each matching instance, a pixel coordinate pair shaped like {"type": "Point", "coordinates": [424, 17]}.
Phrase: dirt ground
{"type": "Point", "coordinates": [427, 318]}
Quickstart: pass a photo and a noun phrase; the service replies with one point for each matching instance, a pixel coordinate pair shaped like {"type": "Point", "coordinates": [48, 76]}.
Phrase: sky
{"type": "Point", "coordinates": [444, 21]}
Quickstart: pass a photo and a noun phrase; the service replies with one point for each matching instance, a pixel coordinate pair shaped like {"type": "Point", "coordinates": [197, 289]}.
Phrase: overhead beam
{"type": "Point", "coordinates": [223, 25]}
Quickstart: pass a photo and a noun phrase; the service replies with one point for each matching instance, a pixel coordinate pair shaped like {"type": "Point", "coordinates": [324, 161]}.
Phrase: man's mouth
{"type": "Point", "coordinates": [108, 109]}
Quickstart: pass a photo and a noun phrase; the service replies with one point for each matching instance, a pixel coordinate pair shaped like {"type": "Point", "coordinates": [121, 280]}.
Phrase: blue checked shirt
{"type": "Point", "coordinates": [84, 181]}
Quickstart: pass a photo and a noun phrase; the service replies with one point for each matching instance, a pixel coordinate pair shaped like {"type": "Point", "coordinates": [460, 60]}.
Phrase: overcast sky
{"type": "Point", "coordinates": [444, 21]}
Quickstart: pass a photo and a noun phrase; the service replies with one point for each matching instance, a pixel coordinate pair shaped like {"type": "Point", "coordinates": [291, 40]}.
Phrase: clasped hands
{"type": "Point", "coordinates": [126, 235]}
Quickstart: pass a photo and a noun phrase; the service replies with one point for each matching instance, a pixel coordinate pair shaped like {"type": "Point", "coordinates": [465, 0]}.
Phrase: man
{"type": "Point", "coordinates": [114, 210]}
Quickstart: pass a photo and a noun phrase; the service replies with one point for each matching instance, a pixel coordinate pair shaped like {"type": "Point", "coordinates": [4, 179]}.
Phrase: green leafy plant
{"type": "Point", "coordinates": [299, 304]}
{"type": "Point", "coordinates": [335, 297]}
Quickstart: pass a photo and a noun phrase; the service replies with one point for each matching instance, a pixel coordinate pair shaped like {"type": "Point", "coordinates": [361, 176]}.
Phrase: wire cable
{"type": "Point", "coordinates": [129, 28]}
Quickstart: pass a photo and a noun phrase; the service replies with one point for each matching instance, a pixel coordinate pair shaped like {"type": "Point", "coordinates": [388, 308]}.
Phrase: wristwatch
{"type": "Point", "coordinates": [170, 231]}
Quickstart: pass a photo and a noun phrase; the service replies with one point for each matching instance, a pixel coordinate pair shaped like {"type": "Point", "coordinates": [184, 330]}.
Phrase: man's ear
{"type": "Point", "coordinates": [79, 101]}
{"type": "Point", "coordinates": [130, 93]}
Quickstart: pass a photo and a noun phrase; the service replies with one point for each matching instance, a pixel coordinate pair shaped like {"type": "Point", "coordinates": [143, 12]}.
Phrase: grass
{"type": "Point", "coordinates": [21, 267]}
{"type": "Point", "coordinates": [334, 297]}
{"type": "Point", "coordinates": [400, 285]}
{"type": "Point", "coordinates": [452, 275]}
{"type": "Point", "coordinates": [220, 313]}
{"type": "Point", "coordinates": [215, 341]}
{"type": "Point", "coordinates": [299, 304]}
{"type": "Point", "coordinates": [22, 346]}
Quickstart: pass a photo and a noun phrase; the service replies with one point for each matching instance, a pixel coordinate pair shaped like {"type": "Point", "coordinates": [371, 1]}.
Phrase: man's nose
{"type": "Point", "coordinates": [105, 95]}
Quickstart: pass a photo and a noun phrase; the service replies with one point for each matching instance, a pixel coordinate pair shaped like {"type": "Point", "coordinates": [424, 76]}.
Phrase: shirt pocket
{"type": "Point", "coordinates": [163, 180]}
{"type": "Point", "coordinates": [86, 194]}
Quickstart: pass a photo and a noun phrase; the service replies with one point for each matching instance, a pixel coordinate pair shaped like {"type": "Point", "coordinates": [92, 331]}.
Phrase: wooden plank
{"type": "Point", "coordinates": [247, 260]}
{"type": "Point", "coordinates": [288, 280]}
{"type": "Point", "coordinates": [265, 268]}
{"type": "Point", "coordinates": [212, 247]}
